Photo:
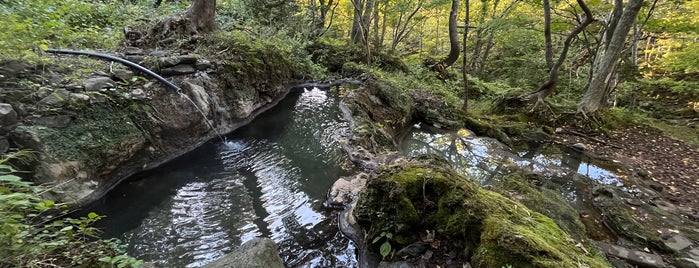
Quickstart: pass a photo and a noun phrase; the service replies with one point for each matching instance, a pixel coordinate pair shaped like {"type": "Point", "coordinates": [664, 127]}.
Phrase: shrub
{"type": "Point", "coordinates": [31, 236]}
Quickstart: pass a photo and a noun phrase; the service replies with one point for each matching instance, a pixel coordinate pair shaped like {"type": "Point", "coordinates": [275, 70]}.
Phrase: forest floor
{"type": "Point", "coordinates": [663, 164]}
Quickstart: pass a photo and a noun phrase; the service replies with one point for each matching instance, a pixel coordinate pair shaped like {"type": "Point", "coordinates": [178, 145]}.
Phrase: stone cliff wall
{"type": "Point", "coordinates": [92, 124]}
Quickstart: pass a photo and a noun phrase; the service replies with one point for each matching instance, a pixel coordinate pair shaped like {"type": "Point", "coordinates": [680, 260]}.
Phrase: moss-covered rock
{"type": "Point", "coordinates": [483, 128]}
{"type": "Point", "coordinates": [543, 200]}
{"type": "Point", "coordinates": [379, 110]}
{"type": "Point", "coordinates": [427, 195]}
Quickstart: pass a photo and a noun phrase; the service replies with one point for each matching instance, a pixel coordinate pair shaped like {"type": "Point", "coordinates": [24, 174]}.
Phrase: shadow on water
{"type": "Point", "coordinates": [487, 161]}
{"type": "Point", "coordinates": [268, 178]}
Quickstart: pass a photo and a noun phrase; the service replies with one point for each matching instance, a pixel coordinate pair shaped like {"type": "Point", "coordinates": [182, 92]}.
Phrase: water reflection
{"type": "Point", "coordinates": [267, 179]}
{"type": "Point", "coordinates": [486, 160]}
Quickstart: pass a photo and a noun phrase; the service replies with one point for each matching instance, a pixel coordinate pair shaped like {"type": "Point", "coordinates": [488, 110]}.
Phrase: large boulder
{"type": "Point", "coordinates": [426, 200]}
{"type": "Point", "coordinates": [258, 252]}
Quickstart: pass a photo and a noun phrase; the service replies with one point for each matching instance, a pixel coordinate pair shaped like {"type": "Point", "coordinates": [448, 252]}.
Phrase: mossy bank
{"type": "Point", "coordinates": [93, 123]}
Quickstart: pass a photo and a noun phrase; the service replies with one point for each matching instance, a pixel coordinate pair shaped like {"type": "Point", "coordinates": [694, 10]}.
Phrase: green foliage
{"type": "Point", "coordinates": [685, 61]}
{"type": "Point", "coordinates": [28, 26]}
{"type": "Point", "coordinates": [620, 118]}
{"type": "Point", "coordinates": [31, 237]}
{"type": "Point", "coordinates": [385, 248]}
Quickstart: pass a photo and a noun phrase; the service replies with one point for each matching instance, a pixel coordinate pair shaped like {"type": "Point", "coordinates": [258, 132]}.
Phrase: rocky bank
{"type": "Point", "coordinates": [92, 123]}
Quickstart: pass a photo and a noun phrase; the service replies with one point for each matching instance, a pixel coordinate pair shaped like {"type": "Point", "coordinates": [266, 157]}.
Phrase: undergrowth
{"type": "Point", "coordinates": [32, 236]}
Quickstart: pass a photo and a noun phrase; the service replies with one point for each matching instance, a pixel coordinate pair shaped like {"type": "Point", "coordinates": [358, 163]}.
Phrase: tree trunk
{"type": "Point", "coordinates": [547, 35]}
{"type": "Point", "coordinates": [199, 17]}
{"type": "Point", "coordinates": [596, 93]}
{"type": "Point", "coordinates": [202, 16]}
{"type": "Point", "coordinates": [464, 65]}
{"type": "Point", "coordinates": [453, 36]}
{"type": "Point", "coordinates": [377, 40]}
{"type": "Point", "coordinates": [356, 31]}
{"type": "Point", "coordinates": [550, 85]}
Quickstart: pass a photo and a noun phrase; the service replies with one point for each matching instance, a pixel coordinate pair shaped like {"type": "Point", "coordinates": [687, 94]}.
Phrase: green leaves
{"type": "Point", "coordinates": [385, 248]}
{"type": "Point", "coordinates": [24, 243]}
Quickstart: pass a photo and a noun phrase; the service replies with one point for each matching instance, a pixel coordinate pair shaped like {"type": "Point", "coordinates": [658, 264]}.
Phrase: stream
{"type": "Point", "coordinates": [268, 178]}
{"type": "Point", "coordinates": [487, 161]}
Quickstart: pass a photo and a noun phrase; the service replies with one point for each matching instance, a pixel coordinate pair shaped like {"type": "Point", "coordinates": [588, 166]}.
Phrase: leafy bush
{"type": "Point", "coordinates": [30, 237]}
{"type": "Point", "coordinates": [31, 24]}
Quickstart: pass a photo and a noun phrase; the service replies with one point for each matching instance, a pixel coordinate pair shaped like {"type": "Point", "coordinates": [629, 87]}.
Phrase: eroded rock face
{"type": "Point", "coordinates": [90, 134]}
{"type": "Point", "coordinates": [425, 200]}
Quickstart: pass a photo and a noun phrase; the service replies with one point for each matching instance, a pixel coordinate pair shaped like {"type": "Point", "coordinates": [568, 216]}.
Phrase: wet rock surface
{"type": "Point", "coordinates": [258, 252]}
{"type": "Point", "coordinates": [622, 212]}
{"type": "Point", "coordinates": [635, 257]}
{"type": "Point", "coordinates": [90, 132]}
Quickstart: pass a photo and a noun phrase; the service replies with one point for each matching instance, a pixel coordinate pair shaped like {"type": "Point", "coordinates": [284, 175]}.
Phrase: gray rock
{"type": "Point", "coordinates": [346, 189]}
{"type": "Point", "coordinates": [138, 94]}
{"type": "Point", "coordinates": [694, 253]}
{"type": "Point", "coordinates": [133, 51]}
{"type": "Point", "coordinates": [14, 68]}
{"type": "Point", "coordinates": [4, 144]}
{"type": "Point", "coordinates": [636, 257]}
{"type": "Point", "coordinates": [56, 121]}
{"type": "Point", "coordinates": [258, 252]}
{"type": "Point", "coordinates": [677, 242]}
{"type": "Point", "coordinates": [79, 98]}
{"type": "Point", "coordinates": [687, 262]}
{"type": "Point", "coordinates": [73, 87]}
{"type": "Point", "coordinates": [123, 74]}
{"type": "Point", "coordinates": [202, 64]}
{"type": "Point", "coordinates": [97, 83]}
{"type": "Point", "coordinates": [397, 264]}
{"type": "Point", "coordinates": [412, 251]}
{"type": "Point", "coordinates": [8, 115]}
{"type": "Point", "coordinates": [57, 98]}
{"type": "Point", "coordinates": [159, 53]}
{"type": "Point", "coordinates": [178, 70]}
{"type": "Point", "coordinates": [176, 60]}
{"type": "Point", "coordinates": [135, 58]}
{"type": "Point", "coordinates": [580, 146]}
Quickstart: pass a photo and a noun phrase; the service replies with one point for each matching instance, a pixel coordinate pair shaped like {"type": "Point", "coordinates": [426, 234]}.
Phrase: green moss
{"type": "Point", "coordinates": [499, 230]}
{"type": "Point", "coordinates": [99, 130]}
{"type": "Point", "coordinates": [545, 201]}
{"type": "Point", "coordinates": [484, 128]}
{"type": "Point", "coordinates": [687, 134]}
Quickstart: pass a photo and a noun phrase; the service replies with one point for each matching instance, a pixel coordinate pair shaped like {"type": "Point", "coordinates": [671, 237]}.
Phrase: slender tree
{"type": "Point", "coordinates": [550, 85]}
{"type": "Point", "coordinates": [464, 65]}
{"type": "Point", "coordinates": [597, 91]}
{"type": "Point", "coordinates": [453, 37]}
{"type": "Point", "coordinates": [548, 51]}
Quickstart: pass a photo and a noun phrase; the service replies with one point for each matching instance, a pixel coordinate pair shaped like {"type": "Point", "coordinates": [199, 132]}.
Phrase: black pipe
{"type": "Point", "coordinates": [120, 60]}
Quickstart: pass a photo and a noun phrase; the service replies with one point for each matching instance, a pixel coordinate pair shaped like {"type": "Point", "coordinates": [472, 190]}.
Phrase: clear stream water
{"type": "Point", "coordinates": [487, 161]}
{"type": "Point", "coordinates": [268, 178]}
{"type": "Point", "coordinates": [271, 177]}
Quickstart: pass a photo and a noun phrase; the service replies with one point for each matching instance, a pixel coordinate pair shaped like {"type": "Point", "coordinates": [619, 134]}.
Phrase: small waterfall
{"type": "Point", "coordinates": [206, 119]}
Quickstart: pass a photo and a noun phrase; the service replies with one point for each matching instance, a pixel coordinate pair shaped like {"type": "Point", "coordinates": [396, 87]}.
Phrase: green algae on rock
{"type": "Point", "coordinates": [426, 195]}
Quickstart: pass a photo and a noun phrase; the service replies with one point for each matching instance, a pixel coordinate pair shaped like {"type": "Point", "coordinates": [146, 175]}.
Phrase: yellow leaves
{"type": "Point", "coordinates": [463, 132]}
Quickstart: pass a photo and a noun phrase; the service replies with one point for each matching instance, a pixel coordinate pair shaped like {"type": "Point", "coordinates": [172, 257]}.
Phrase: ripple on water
{"type": "Point", "coordinates": [267, 179]}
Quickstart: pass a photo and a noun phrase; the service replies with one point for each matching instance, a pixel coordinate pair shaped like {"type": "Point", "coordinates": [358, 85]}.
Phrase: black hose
{"type": "Point", "coordinates": [120, 60]}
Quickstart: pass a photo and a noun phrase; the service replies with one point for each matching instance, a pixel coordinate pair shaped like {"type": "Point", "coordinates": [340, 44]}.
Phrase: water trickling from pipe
{"type": "Point", "coordinates": [206, 119]}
